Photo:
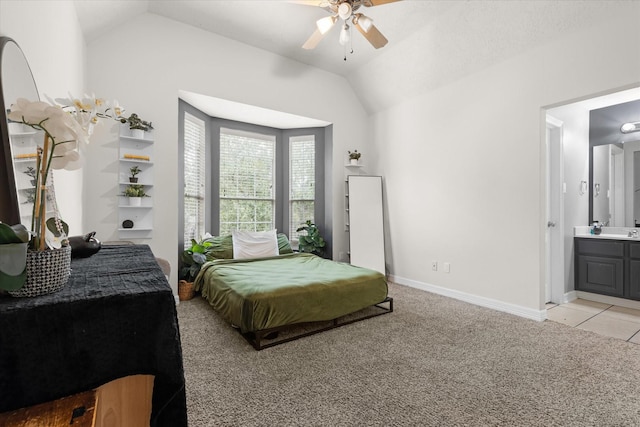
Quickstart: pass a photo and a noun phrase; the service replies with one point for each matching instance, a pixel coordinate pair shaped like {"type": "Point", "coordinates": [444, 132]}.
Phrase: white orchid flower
{"type": "Point", "coordinates": [52, 241]}
{"type": "Point", "coordinates": [28, 112]}
{"type": "Point", "coordinates": [70, 161]}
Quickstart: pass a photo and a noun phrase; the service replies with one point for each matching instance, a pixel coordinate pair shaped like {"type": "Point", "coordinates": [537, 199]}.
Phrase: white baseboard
{"type": "Point", "coordinates": [528, 313]}
{"type": "Point", "coordinates": [621, 302]}
{"type": "Point", "coordinates": [569, 296]}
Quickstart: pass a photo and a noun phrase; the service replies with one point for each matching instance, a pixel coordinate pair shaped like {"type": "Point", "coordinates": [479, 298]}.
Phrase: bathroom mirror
{"type": "Point", "coordinates": [614, 166]}
{"type": "Point", "coordinates": [16, 81]}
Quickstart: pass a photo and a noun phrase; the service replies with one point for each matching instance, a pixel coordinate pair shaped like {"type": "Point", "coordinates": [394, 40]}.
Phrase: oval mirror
{"type": "Point", "coordinates": [16, 81]}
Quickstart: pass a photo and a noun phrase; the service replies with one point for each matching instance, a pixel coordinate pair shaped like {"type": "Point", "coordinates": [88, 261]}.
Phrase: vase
{"type": "Point", "coordinates": [133, 179]}
{"type": "Point", "coordinates": [354, 161]}
{"type": "Point", "coordinates": [135, 201]}
{"type": "Point", "coordinates": [47, 271]}
{"type": "Point", "coordinates": [137, 133]}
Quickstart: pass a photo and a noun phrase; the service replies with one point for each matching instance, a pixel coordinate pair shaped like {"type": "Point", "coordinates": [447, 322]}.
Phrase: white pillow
{"type": "Point", "coordinates": [254, 244]}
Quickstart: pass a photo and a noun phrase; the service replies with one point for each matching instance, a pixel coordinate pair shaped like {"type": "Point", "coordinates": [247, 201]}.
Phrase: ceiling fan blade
{"type": "Point", "coordinates": [374, 36]}
{"type": "Point", "coordinates": [313, 41]}
{"type": "Point", "coordinates": [319, 3]}
{"type": "Point", "coordinates": [370, 3]}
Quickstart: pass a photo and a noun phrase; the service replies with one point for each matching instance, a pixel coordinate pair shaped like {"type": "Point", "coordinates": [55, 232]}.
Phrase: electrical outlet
{"type": "Point", "coordinates": [434, 265]}
{"type": "Point", "coordinates": [446, 267]}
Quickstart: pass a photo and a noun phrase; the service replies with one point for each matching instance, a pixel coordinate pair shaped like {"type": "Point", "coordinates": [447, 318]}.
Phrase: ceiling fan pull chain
{"type": "Point", "coordinates": [351, 41]}
{"type": "Point", "coordinates": [350, 45]}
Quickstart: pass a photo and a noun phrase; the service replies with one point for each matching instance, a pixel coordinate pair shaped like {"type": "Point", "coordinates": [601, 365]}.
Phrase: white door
{"type": "Point", "coordinates": [554, 236]}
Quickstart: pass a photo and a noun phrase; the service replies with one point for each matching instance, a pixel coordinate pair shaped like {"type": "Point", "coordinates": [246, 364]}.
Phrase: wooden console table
{"type": "Point", "coordinates": [116, 317]}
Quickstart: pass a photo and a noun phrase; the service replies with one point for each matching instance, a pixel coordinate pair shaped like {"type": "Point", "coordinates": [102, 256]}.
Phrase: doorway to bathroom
{"type": "Point", "coordinates": [568, 185]}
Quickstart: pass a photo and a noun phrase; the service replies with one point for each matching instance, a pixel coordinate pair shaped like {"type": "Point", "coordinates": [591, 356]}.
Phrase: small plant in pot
{"type": "Point", "coordinates": [134, 170]}
{"type": "Point", "coordinates": [31, 172]}
{"type": "Point", "coordinates": [313, 242]}
{"type": "Point", "coordinates": [135, 193]}
{"type": "Point", "coordinates": [137, 126]}
{"type": "Point", "coordinates": [354, 157]}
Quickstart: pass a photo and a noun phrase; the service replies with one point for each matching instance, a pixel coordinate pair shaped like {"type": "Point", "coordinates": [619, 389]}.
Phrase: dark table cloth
{"type": "Point", "coordinates": [115, 317]}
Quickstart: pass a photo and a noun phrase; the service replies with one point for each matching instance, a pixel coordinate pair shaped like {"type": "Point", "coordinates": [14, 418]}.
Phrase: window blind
{"type": "Point", "coordinates": [194, 179]}
{"type": "Point", "coordinates": [247, 181]}
{"type": "Point", "coordinates": [302, 182]}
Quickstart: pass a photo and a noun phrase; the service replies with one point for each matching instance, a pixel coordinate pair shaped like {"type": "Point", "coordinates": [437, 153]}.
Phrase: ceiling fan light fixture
{"type": "Point", "coordinates": [345, 35]}
{"type": "Point", "coordinates": [630, 127]}
{"type": "Point", "coordinates": [345, 11]}
{"type": "Point", "coordinates": [364, 21]}
{"type": "Point", "coordinates": [325, 24]}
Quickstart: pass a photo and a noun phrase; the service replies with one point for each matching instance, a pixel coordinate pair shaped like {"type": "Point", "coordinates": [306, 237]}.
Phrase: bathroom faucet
{"type": "Point", "coordinates": [633, 233]}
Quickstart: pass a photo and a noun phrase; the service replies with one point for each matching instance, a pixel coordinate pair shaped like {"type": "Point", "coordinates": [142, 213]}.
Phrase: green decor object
{"type": "Point", "coordinates": [313, 242]}
{"type": "Point", "coordinates": [13, 256]}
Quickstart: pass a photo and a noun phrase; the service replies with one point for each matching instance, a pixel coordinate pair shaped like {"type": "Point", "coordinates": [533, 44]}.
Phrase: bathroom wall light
{"type": "Point", "coordinates": [630, 127]}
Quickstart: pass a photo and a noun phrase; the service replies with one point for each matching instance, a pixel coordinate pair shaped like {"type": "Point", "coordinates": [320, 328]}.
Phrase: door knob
{"type": "Point", "coordinates": [551, 224]}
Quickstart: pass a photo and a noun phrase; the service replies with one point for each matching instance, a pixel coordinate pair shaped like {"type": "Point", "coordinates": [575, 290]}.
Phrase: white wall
{"type": "Point", "coordinates": [464, 165]}
{"type": "Point", "coordinates": [145, 62]}
{"type": "Point", "coordinates": [49, 35]}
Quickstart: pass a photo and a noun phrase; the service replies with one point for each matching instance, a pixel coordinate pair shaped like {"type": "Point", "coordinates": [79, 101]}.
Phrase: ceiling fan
{"type": "Point", "coordinates": [347, 11]}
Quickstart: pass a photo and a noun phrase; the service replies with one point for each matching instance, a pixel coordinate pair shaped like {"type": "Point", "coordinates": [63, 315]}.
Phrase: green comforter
{"type": "Point", "coordinates": [263, 293]}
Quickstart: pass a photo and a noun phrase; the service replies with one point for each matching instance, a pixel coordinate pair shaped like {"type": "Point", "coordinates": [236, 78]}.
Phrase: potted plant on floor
{"type": "Point", "coordinates": [313, 242]}
{"type": "Point", "coordinates": [192, 260]}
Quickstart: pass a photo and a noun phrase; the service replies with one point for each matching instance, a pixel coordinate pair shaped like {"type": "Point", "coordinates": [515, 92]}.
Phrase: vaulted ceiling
{"type": "Point", "coordinates": [431, 42]}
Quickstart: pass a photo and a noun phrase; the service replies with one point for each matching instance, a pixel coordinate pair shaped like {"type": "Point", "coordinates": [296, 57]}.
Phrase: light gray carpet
{"type": "Point", "coordinates": [433, 362]}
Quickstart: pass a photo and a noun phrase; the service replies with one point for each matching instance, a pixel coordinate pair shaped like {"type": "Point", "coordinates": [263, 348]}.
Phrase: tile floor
{"type": "Point", "coordinates": [604, 319]}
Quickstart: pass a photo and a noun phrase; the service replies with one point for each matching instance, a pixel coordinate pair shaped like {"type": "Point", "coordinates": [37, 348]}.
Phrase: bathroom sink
{"type": "Point", "coordinates": [614, 236]}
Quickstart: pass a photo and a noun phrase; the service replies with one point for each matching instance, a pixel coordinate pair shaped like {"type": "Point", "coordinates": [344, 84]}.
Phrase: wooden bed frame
{"type": "Point", "coordinates": [256, 339]}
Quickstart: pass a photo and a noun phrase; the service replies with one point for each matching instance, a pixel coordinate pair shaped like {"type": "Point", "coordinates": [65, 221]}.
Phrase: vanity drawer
{"type": "Point", "coordinates": [601, 247]}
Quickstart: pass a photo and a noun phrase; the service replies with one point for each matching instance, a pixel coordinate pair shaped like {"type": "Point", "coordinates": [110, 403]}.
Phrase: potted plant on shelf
{"type": "Point", "coordinates": [313, 242]}
{"type": "Point", "coordinates": [134, 170]}
{"type": "Point", "coordinates": [354, 157]}
{"type": "Point", "coordinates": [135, 193]}
{"type": "Point", "coordinates": [192, 260]}
{"type": "Point", "coordinates": [138, 126]}
{"type": "Point", "coordinates": [31, 172]}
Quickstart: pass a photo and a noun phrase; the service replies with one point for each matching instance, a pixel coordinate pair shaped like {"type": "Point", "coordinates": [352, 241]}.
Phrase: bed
{"type": "Point", "coordinates": [261, 296]}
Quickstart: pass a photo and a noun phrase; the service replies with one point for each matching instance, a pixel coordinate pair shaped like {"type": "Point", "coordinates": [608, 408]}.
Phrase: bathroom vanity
{"type": "Point", "coordinates": [608, 264]}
